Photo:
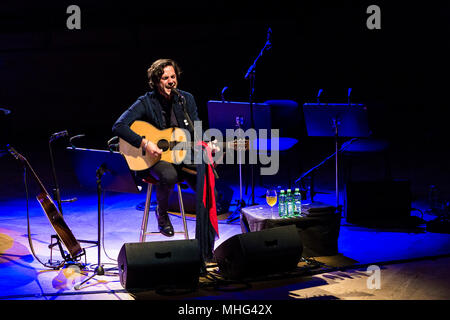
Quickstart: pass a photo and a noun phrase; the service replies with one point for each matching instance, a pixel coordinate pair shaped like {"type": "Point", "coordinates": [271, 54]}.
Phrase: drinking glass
{"type": "Point", "coordinates": [271, 199]}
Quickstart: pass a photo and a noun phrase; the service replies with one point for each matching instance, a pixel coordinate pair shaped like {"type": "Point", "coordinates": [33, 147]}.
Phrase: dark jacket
{"type": "Point", "coordinates": [149, 108]}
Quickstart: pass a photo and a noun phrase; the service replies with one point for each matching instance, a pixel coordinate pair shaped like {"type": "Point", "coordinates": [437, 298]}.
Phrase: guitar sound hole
{"type": "Point", "coordinates": [163, 144]}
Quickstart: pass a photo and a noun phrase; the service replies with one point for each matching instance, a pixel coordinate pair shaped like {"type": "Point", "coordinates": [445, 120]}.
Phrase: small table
{"type": "Point", "coordinates": [318, 226]}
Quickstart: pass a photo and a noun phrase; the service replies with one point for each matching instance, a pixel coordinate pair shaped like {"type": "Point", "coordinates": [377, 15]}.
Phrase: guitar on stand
{"type": "Point", "coordinates": [54, 216]}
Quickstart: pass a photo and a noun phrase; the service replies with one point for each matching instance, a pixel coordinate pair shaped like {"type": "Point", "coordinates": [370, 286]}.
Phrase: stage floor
{"type": "Point", "coordinates": [413, 263]}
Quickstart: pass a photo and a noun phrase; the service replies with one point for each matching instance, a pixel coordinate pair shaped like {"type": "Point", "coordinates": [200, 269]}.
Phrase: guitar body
{"type": "Point", "coordinates": [138, 159]}
{"type": "Point", "coordinates": [173, 142]}
{"type": "Point", "coordinates": [59, 225]}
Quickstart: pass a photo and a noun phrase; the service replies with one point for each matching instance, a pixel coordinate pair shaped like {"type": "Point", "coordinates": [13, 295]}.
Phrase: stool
{"type": "Point", "coordinates": [152, 181]}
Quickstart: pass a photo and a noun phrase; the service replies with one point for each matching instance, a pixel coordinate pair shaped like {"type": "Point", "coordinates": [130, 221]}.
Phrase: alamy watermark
{"type": "Point", "coordinates": [252, 146]}
{"type": "Point", "coordinates": [74, 20]}
{"type": "Point", "coordinates": [374, 20]}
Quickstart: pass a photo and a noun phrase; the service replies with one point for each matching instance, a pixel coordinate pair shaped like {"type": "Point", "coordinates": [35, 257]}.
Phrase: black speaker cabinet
{"type": "Point", "coordinates": [257, 253]}
{"type": "Point", "coordinates": [383, 201]}
{"type": "Point", "coordinates": [149, 265]}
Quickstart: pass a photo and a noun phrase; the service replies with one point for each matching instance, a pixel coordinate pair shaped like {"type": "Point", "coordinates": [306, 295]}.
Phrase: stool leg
{"type": "Point", "coordinates": [146, 212]}
{"type": "Point", "coordinates": [180, 201]}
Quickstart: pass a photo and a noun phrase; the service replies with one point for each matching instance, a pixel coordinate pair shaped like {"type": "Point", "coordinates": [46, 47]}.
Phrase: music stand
{"type": "Point", "coordinates": [223, 115]}
{"type": "Point", "coordinates": [103, 170]}
{"type": "Point", "coordinates": [336, 120]}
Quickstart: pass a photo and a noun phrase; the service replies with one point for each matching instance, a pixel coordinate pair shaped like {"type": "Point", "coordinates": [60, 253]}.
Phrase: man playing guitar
{"type": "Point", "coordinates": [163, 108]}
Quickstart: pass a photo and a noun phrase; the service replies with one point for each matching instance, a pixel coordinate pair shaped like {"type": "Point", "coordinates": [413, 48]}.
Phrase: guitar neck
{"type": "Point", "coordinates": [36, 178]}
{"type": "Point", "coordinates": [24, 161]}
{"type": "Point", "coordinates": [190, 144]}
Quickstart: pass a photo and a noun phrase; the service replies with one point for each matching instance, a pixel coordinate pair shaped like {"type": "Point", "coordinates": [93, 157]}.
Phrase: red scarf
{"type": "Point", "coordinates": [209, 187]}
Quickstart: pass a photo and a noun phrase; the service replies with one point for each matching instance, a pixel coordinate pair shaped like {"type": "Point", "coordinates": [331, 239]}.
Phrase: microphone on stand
{"type": "Point", "coordinates": [267, 46]}
{"type": "Point", "coordinates": [178, 94]}
{"type": "Point", "coordinates": [5, 111]}
{"type": "Point", "coordinates": [113, 144]}
{"type": "Point", "coordinates": [348, 95]}
{"type": "Point", "coordinates": [269, 39]}
{"type": "Point", "coordinates": [58, 135]}
{"type": "Point", "coordinates": [223, 93]}
{"type": "Point", "coordinates": [56, 191]}
{"type": "Point", "coordinates": [318, 96]}
{"type": "Point", "coordinates": [183, 102]}
{"type": "Point", "coordinates": [75, 137]}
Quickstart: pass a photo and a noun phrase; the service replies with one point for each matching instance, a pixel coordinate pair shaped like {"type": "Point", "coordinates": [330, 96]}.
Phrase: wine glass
{"type": "Point", "coordinates": [271, 199]}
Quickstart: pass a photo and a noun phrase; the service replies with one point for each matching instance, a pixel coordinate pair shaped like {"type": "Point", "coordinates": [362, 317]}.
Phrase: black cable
{"type": "Point", "coordinates": [103, 229]}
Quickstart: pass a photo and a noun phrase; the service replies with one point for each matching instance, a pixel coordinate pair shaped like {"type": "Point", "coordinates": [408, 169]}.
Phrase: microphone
{"type": "Point", "coordinates": [75, 137]}
{"type": "Point", "coordinates": [58, 135]}
{"type": "Point", "coordinates": [113, 144]}
{"type": "Point", "coordinates": [318, 95]}
{"type": "Point", "coordinates": [5, 111]}
{"type": "Point", "coordinates": [267, 46]}
{"type": "Point", "coordinates": [177, 93]}
{"type": "Point", "coordinates": [222, 93]}
{"type": "Point", "coordinates": [269, 38]}
{"type": "Point", "coordinates": [348, 95]}
{"type": "Point", "coordinates": [70, 200]}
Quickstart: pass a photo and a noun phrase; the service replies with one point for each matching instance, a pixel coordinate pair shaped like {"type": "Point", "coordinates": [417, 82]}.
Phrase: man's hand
{"type": "Point", "coordinates": [213, 146]}
{"type": "Point", "coordinates": [151, 148]}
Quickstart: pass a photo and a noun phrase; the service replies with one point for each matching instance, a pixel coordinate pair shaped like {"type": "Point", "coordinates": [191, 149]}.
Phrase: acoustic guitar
{"type": "Point", "coordinates": [172, 141]}
{"type": "Point", "coordinates": [51, 210]}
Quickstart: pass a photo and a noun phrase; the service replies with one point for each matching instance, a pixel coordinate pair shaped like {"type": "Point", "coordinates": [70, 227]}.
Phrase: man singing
{"type": "Point", "coordinates": [162, 108]}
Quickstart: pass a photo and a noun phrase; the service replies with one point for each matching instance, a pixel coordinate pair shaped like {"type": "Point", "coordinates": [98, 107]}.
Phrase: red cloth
{"type": "Point", "coordinates": [208, 189]}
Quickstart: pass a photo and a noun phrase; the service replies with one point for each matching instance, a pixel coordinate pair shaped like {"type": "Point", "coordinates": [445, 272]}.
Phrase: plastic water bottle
{"type": "Point", "coordinates": [290, 204]}
{"type": "Point", "coordinates": [297, 203]}
{"type": "Point", "coordinates": [282, 204]}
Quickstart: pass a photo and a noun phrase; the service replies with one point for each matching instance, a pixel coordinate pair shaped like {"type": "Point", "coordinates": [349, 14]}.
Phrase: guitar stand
{"type": "Point", "coordinates": [64, 255]}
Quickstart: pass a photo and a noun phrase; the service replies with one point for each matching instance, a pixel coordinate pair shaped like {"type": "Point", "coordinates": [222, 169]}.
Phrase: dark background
{"type": "Point", "coordinates": [53, 79]}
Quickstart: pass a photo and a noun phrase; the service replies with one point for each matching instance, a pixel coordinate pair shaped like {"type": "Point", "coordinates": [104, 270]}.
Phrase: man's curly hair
{"type": "Point", "coordinates": [156, 71]}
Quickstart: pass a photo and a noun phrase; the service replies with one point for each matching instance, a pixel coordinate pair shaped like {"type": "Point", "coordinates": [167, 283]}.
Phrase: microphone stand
{"type": "Point", "coordinates": [99, 270]}
{"type": "Point", "coordinates": [56, 194]}
{"type": "Point", "coordinates": [250, 75]}
{"type": "Point", "coordinates": [191, 124]}
{"type": "Point", "coordinates": [241, 203]}
{"type": "Point", "coordinates": [56, 191]}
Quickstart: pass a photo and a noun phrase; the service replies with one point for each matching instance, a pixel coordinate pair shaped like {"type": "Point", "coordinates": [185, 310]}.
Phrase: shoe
{"type": "Point", "coordinates": [164, 225]}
